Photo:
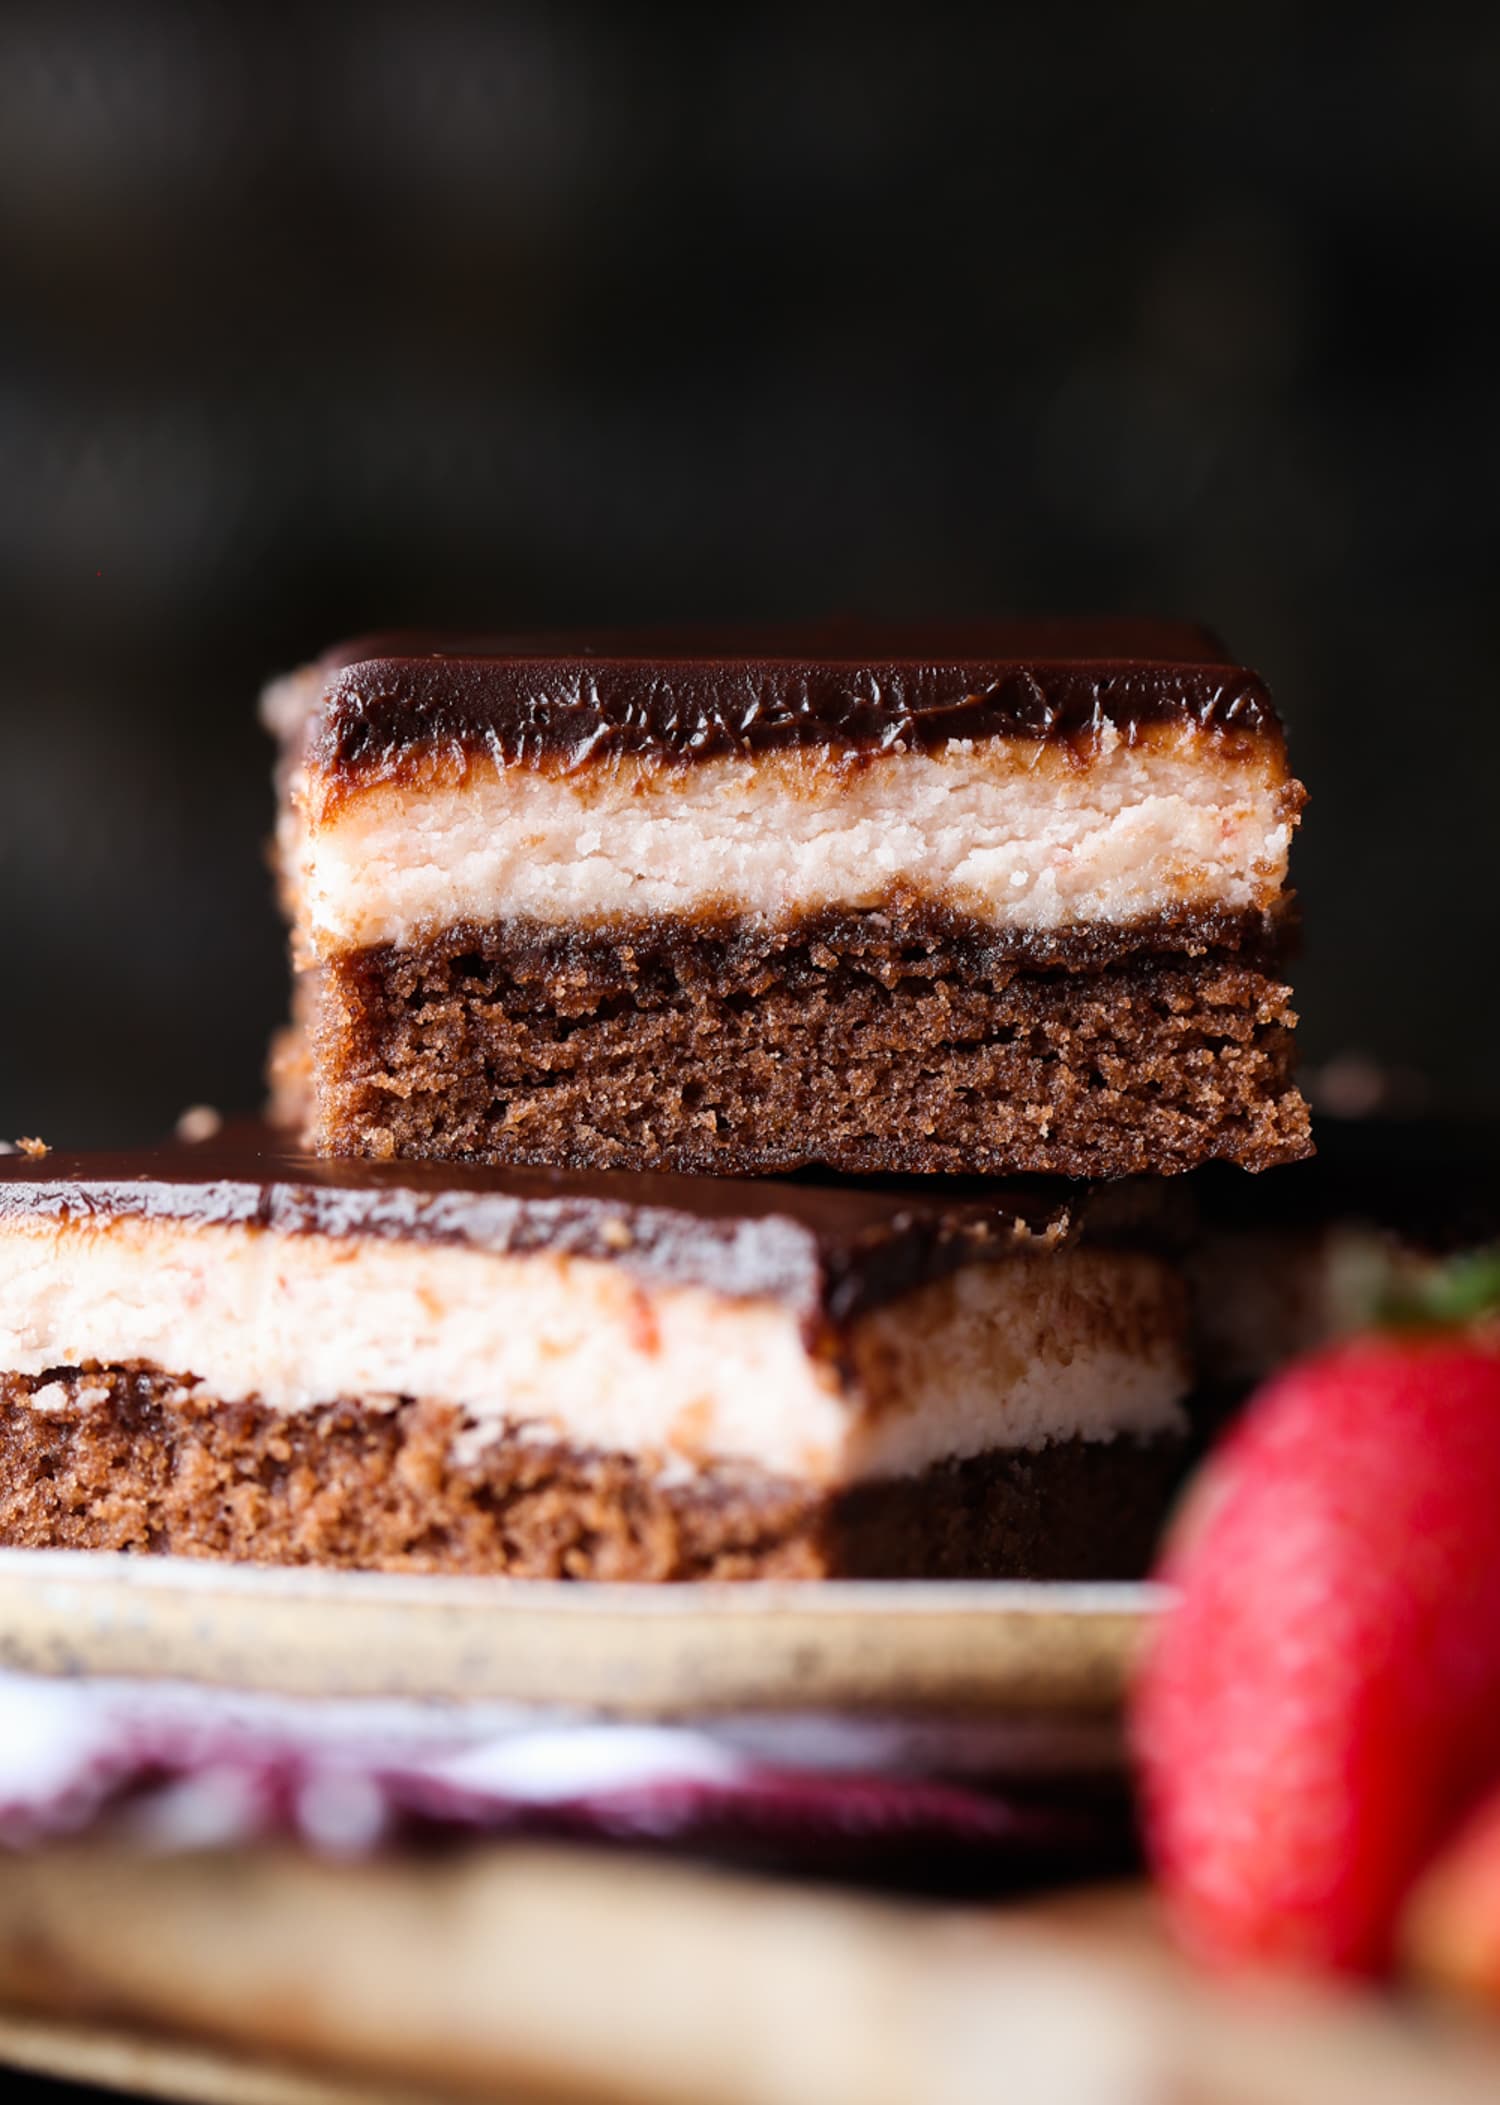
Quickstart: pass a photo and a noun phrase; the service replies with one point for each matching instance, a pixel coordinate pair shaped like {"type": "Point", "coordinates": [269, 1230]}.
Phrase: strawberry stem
{"type": "Point", "coordinates": [1443, 1295]}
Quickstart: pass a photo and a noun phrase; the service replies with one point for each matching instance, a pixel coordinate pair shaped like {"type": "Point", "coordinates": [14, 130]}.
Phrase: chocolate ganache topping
{"type": "Point", "coordinates": [827, 1248]}
{"type": "Point", "coordinates": [566, 703]}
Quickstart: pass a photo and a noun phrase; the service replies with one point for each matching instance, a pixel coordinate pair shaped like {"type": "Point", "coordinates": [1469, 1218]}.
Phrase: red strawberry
{"type": "Point", "coordinates": [1323, 1700]}
{"type": "Point", "coordinates": [1450, 1933]}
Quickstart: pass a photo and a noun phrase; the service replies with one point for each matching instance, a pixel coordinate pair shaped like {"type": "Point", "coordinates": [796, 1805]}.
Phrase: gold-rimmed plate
{"type": "Point", "coordinates": [632, 1651]}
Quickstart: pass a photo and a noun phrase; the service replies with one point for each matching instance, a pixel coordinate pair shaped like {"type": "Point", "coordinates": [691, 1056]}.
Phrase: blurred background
{"type": "Point", "coordinates": [419, 312]}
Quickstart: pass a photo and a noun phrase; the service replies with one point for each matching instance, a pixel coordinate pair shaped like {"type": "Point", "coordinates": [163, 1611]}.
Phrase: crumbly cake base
{"type": "Point", "coordinates": [861, 1046]}
{"type": "Point", "coordinates": [133, 1459]}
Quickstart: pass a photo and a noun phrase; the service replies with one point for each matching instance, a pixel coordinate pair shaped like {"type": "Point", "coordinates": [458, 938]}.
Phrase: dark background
{"type": "Point", "coordinates": [422, 313]}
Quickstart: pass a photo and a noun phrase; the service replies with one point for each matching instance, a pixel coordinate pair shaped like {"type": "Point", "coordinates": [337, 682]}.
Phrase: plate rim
{"type": "Point", "coordinates": [124, 1571]}
{"type": "Point", "coordinates": [992, 1647]}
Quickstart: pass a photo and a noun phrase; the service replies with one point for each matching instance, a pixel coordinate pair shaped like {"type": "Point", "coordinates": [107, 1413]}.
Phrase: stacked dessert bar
{"type": "Point", "coordinates": [1008, 902]}
{"type": "Point", "coordinates": [724, 1127]}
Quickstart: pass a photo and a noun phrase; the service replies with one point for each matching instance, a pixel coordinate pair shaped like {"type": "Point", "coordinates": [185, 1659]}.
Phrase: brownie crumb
{"type": "Point", "coordinates": [198, 1123]}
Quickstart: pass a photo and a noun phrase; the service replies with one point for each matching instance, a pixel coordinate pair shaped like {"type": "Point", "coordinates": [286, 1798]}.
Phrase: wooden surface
{"type": "Point", "coordinates": [268, 1978]}
{"type": "Point", "coordinates": [505, 1973]}
{"type": "Point", "coordinates": [630, 1651]}
{"type": "Point", "coordinates": [140, 2065]}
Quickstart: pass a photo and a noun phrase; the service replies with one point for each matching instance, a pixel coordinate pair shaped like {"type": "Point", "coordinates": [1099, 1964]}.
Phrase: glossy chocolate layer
{"type": "Point", "coordinates": [569, 702]}
{"type": "Point", "coordinates": [828, 1249]}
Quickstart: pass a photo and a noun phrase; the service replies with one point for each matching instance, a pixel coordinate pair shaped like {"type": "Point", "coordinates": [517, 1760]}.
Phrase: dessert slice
{"type": "Point", "coordinates": [998, 900]}
{"type": "Point", "coordinates": [225, 1350]}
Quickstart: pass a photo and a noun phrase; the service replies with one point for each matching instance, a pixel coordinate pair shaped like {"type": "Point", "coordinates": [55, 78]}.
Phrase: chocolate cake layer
{"type": "Point", "coordinates": [741, 1366]}
{"type": "Point", "coordinates": [855, 820]}
{"type": "Point", "coordinates": [747, 1054]}
{"type": "Point", "coordinates": [137, 1460]}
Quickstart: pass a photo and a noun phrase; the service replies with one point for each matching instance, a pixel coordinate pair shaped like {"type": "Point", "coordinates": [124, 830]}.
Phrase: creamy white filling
{"type": "Point", "coordinates": [1082, 1343]}
{"type": "Point", "coordinates": [1020, 834]}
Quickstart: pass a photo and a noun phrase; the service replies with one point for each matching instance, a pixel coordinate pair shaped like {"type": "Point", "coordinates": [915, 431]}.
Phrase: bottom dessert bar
{"type": "Point", "coordinates": [228, 1351]}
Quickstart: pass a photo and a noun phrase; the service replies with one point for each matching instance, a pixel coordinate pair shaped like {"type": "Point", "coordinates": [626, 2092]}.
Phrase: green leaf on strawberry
{"type": "Point", "coordinates": [1441, 1296]}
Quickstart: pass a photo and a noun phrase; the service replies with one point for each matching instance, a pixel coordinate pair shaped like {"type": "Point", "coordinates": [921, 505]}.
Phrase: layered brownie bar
{"type": "Point", "coordinates": [229, 1351]}
{"type": "Point", "coordinates": [1006, 900]}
